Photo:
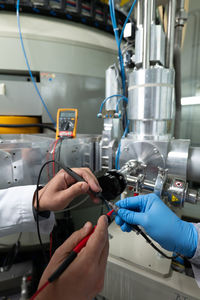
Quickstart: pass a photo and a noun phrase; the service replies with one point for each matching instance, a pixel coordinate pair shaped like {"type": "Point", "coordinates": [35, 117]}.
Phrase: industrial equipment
{"type": "Point", "coordinates": [139, 150]}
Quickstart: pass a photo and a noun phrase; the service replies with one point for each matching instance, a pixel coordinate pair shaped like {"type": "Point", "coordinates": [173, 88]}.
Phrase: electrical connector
{"type": "Point", "coordinates": [99, 115]}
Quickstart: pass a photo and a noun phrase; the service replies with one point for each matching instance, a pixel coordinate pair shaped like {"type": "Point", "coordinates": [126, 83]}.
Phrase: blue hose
{"type": "Point", "coordinates": [28, 66]}
{"type": "Point", "coordinates": [110, 97]}
{"type": "Point", "coordinates": [117, 159]}
{"type": "Point", "coordinates": [126, 21]}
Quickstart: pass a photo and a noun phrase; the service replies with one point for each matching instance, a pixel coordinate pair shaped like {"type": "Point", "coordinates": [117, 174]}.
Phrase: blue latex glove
{"type": "Point", "coordinates": [159, 222]}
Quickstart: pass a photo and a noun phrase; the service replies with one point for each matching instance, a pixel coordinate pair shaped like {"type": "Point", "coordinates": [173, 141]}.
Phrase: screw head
{"type": "Point", "coordinates": [155, 150]}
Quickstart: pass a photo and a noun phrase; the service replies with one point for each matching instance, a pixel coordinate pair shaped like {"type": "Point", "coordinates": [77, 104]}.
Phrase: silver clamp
{"type": "Point", "coordinates": [160, 181]}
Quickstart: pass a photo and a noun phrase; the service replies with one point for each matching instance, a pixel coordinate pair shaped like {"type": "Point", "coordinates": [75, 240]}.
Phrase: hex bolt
{"type": "Point", "coordinates": [155, 150]}
{"type": "Point", "coordinates": [126, 149]}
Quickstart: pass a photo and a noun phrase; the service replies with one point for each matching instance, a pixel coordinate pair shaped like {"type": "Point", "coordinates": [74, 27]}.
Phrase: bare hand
{"type": "Point", "coordinates": [84, 278]}
{"type": "Point", "coordinates": [62, 189]}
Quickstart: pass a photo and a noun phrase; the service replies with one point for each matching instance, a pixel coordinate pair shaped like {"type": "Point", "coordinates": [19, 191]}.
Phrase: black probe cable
{"type": "Point", "coordinates": [74, 175]}
{"type": "Point", "coordinates": [115, 208]}
{"type": "Point", "coordinates": [137, 229]}
{"type": "Point", "coordinates": [70, 258]}
{"type": "Point", "coordinates": [11, 256]}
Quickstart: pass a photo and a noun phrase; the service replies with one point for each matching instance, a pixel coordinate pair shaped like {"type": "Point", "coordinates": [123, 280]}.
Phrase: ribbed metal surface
{"type": "Point", "coordinates": [150, 106]}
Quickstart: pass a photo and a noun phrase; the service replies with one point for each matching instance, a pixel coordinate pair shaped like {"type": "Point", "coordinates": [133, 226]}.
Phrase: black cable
{"type": "Point", "coordinates": [28, 125]}
{"type": "Point", "coordinates": [68, 170]}
{"type": "Point", "coordinates": [37, 210]}
{"type": "Point", "coordinates": [59, 149]}
{"type": "Point", "coordinates": [149, 241]}
{"type": "Point", "coordinates": [137, 229]}
{"type": "Point", "coordinates": [11, 256]}
{"type": "Point", "coordinates": [101, 210]}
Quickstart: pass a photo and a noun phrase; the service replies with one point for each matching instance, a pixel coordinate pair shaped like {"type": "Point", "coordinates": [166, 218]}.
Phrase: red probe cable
{"type": "Point", "coordinates": [69, 259]}
{"type": "Point", "coordinates": [47, 156]}
{"type": "Point", "coordinates": [109, 214]}
{"type": "Point", "coordinates": [40, 289]}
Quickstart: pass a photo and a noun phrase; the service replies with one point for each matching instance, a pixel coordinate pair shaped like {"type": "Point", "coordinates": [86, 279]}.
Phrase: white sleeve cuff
{"type": "Point", "coordinates": [16, 214]}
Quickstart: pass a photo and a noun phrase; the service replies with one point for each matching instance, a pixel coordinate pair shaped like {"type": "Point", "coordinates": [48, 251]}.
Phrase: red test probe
{"type": "Point", "coordinates": [69, 259]}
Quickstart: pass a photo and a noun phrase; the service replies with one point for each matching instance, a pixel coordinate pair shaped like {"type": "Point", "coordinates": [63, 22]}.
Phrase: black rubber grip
{"type": "Point", "coordinates": [63, 266]}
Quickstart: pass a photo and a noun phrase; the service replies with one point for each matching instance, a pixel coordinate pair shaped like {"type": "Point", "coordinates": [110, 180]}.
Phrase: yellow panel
{"type": "Point", "coordinates": [123, 2]}
{"type": "Point", "coordinates": [12, 120]}
{"type": "Point", "coordinates": [105, 1]}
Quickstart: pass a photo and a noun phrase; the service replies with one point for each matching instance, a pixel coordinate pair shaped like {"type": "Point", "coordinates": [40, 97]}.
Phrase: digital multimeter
{"type": "Point", "coordinates": [66, 122]}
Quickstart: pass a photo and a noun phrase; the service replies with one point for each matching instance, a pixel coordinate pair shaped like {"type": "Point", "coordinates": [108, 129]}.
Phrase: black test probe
{"type": "Point", "coordinates": [69, 259]}
{"type": "Point", "coordinates": [137, 229]}
{"type": "Point", "coordinates": [83, 242]}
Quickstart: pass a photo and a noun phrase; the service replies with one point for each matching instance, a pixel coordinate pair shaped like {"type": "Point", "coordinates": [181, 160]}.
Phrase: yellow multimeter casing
{"type": "Point", "coordinates": [66, 122]}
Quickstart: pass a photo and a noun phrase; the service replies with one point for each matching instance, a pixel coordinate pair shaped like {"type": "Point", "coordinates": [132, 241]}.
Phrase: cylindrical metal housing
{"type": "Point", "coordinates": [193, 166]}
{"type": "Point", "coordinates": [112, 87]}
{"type": "Point", "coordinates": [150, 107]}
{"type": "Point", "coordinates": [177, 158]}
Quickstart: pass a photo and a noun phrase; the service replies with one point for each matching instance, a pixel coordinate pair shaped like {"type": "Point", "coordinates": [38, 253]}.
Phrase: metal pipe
{"type": "Point", "coordinates": [181, 18]}
{"type": "Point", "coordinates": [170, 33]}
{"type": "Point", "coordinates": [139, 13]}
{"type": "Point", "coordinates": [192, 196]}
{"type": "Point", "coordinates": [146, 185]}
{"type": "Point", "coordinates": [181, 5]}
{"type": "Point", "coordinates": [153, 12]}
{"type": "Point", "coordinates": [146, 34]}
{"type": "Point", "coordinates": [177, 67]}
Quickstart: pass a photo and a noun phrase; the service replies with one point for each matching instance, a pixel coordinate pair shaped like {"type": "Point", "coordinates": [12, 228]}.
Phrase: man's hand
{"type": "Point", "coordinates": [84, 278]}
{"type": "Point", "coordinates": [159, 222]}
{"type": "Point", "coordinates": [62, 189]}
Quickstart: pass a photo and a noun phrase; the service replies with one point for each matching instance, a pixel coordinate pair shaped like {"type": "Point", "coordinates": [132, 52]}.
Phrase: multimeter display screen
{"type": "Point", "coordinates": [67, 114]}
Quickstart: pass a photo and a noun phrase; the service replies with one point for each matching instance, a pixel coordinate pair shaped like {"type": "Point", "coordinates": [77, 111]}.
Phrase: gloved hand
{"type": "Point", "coordinates": [159, 222]}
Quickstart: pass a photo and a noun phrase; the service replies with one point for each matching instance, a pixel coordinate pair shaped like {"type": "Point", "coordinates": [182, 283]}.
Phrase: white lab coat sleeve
{"type": "Point", "coordinates": [195, 260]}
{"type": "Point", "coordinates": [16, 212]}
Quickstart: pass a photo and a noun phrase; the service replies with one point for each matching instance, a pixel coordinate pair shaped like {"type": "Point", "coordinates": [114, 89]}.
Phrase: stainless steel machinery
{"type": "Point", "coordinates": [151, 110]}
{"type": "Point", "coordinates": [152, 159]}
